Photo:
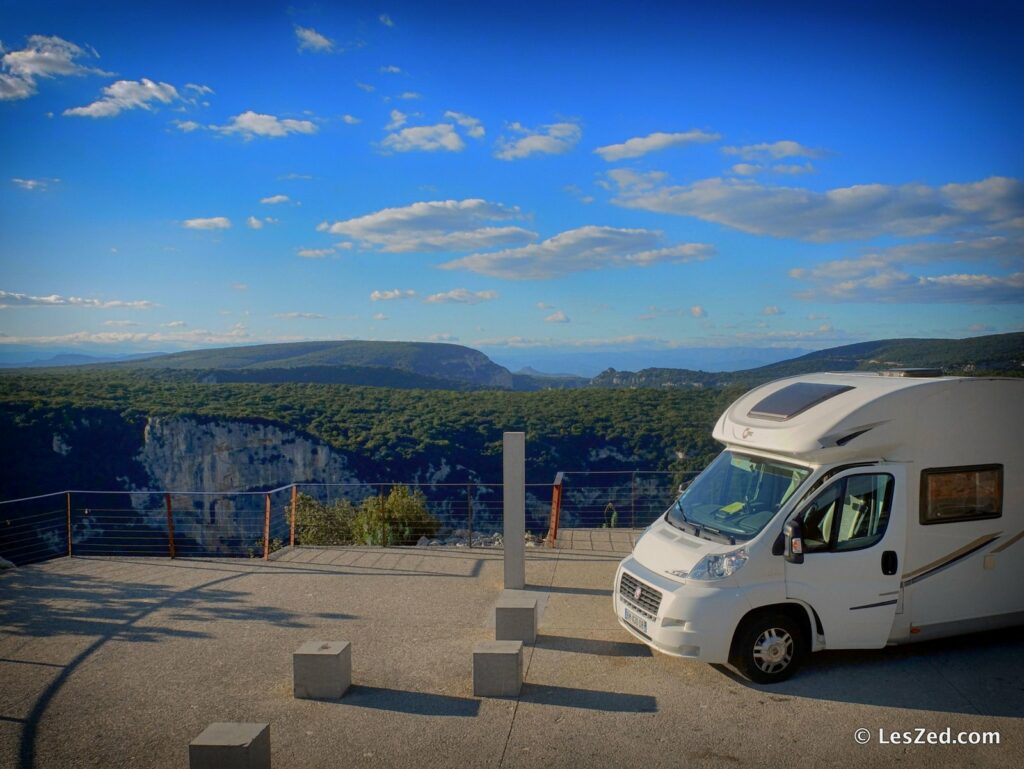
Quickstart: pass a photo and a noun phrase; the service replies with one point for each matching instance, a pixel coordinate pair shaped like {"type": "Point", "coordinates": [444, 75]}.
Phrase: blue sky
{"type": "Point", "coordinates": [538, 180]}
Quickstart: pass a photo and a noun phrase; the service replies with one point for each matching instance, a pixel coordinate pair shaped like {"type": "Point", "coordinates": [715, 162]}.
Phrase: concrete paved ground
{"type": "Point", "coordinates": [120, 662]}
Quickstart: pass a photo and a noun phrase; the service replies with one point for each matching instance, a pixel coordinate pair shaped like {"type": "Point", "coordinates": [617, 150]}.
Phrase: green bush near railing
{"type": "Point", "coordinates": [398, 518]}
{"type": "Point", "coordinates": [319, 524]}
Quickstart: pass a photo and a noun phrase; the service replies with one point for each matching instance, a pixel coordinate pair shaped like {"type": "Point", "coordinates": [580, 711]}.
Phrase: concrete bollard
{"type": "Point", "coordinates": [514, 509]}
{"type": "Point", "coordinates": [515, 619]}
{"type": "Point", "coordinates": [231, 746]}
{"type": "Point", "coordinates": [498, 668]}
{"type": "Point", "coordinates": [322, 670]}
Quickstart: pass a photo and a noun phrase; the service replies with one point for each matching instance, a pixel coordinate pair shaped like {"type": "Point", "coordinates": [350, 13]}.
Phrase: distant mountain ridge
{"type": "Point", "coordinates": [444, 366]}
{"type": "Point", "coordinates": [995, 354]}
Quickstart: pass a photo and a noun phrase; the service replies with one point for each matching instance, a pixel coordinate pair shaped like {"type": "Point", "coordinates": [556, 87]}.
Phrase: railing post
{"type": "Point", "coordinates": [295, 502]}
{"type": "Point", "coordinates": [469, 514]}
{"type": "Point", "coordinates": [170, 526]}
{"type": "Point", "coordinates": [556, 509]}
{"type": "Point", "coordinates": [69, 523]}
{"type": "Point", "coordinates": [266, 527]}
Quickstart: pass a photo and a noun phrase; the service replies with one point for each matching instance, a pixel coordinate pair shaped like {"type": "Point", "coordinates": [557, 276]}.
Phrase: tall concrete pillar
{"type": "Point", "coordinates": [514, 478]}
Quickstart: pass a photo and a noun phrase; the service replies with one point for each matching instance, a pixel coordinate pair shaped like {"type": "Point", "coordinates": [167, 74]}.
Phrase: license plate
{"type": "Point", "coordinates": [635, 620]}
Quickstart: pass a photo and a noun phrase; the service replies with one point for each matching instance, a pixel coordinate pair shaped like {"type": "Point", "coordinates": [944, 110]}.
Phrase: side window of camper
{"type": "Point", "coordinates": [950, 494]}
{"type": "Point", "coordinates": [850, 514]}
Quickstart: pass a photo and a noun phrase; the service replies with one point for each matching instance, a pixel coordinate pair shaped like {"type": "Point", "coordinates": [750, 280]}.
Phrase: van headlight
{"type": "Point", "coordinates": [719, 566]}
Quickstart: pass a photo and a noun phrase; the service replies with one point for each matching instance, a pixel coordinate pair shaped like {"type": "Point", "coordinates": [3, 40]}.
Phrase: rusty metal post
{"type": "Point", "coordinates": [69, 523]}
{"type": "Point", "coordinates": [469, 514]}
{"type": "Point", "coordinates": [170, 526]}
{"type": "Point", "coordinates": [556, 509]}
{"type": "Point", "coordinates": [266, 527]}
{"type": "Point", "coordinates": [295, 502]}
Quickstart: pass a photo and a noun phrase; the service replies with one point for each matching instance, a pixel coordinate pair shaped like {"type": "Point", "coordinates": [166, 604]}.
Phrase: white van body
{"type": "Point", "coordinates": [942, 555]}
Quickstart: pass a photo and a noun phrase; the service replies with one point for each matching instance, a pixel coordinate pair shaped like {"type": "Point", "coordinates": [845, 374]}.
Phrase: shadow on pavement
{"type": "Point", "coordinates": [415, 703]}
{"type": "Point", "coordinates": [590, 699]}
{"type": "Point", "coordinates": [940, 675]}
{"type": "Point", "coordinates": [593, 646]}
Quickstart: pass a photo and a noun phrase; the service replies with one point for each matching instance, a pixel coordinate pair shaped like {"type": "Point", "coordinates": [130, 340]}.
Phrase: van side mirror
{"type": "Point", "coordinates": [684, 485]}
{"type": "Point", "coordinates": [794, 534]}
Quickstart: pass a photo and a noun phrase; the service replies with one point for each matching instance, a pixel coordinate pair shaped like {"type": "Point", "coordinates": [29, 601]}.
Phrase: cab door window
{"type": "Point", "coordinates": [850, 514]}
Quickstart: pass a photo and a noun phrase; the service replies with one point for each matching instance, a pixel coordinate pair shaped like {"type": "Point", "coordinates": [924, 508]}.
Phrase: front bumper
{"type": "Point", "coordinates": [692, 620]}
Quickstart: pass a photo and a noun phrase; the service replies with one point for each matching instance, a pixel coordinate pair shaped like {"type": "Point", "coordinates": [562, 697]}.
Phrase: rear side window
{"type": "Point", "coordinates": [950, 494]}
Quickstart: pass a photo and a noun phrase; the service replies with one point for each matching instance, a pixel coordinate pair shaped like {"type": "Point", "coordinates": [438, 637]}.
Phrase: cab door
{"type": "Point", "coordinates": [854, 536]}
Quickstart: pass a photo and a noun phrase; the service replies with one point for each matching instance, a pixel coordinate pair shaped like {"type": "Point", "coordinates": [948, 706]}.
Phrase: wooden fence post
{"type": "Point", "coordinates": [170, 526]}
{"type": "Point", "coordinates": [266, 528]}
{"type": "Point", "coordinates": [69, 523]}
{"type": "Point", "coordinates": [295, 502]}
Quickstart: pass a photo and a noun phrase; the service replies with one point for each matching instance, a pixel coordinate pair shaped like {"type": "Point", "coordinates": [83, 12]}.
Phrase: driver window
{"type": "Point", "coordinates": [850, 514]}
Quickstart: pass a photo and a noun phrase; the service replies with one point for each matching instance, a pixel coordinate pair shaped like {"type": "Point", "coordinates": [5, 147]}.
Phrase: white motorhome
{"type": "Point", "coordinates": [847, 511]}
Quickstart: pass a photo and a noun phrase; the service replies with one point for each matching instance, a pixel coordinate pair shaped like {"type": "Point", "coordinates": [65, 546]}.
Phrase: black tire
{"type": "Point", "coordinates": [769, 647]}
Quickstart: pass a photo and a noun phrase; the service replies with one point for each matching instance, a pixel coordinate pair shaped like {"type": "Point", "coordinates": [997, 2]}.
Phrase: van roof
{"type": "Point", "coordinates": [811, 414]}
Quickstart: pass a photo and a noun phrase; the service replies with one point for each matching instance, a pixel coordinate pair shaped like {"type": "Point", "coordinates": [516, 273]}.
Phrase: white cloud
{"type": "Point", "coordinates": [251, 124]}
{"type": "Point", "coordinates": [862, 211]}
{"type": "Point", "coordinates": [771, 309]}
{"type": "Point", "coordinates": [365, 87]}
{"type": "Point", "coordinates": [579, 194]}
{"type": "Point", "coordinates": [442, 338]}
{"type": "Point", "coordinates": [774, 150]}
{"type": "Point", "coordinates": [390, 295]}
{"type": "Point", "coordinates": [520, 342]}
{"type": "Point", "coordinates": [311, 40]}
{"type": "Point", "coordinates": [747, 169]}
{"type": "Point", "coordinates": [698, 312]}
{"type": "Point", "coordinates": [175, 324]}
{"type": "Point", "coordinates": [299, 316]}
{"type": "Point", "coordinates": [557, 317]}
{"type": "Point", "coordinates": [886, 275]}
{"type": "Point", "coordinates": [314, 253]}
{"type": "Point", "coordinates": [34, 185]}
{"type": "Point", "coordinates": [390, 69]}
{"type": "Point", "coordinates": [641, 145]}
{"type": "Point", "coordinates": [202, 90]}
{"type": "Point", "coordinates": [293, 177]}
{"type": "Point", "coordinates": [121, 323]}
{"type": "Point", "coordinates": [237, 334]}
{"type": "Point", "coordinates": [43, 57]}
{"type": "Point", "coordinates": [274, 200]}
{"type": "Point", "coordinates": [254, 223]}
{"type": "Point", "coordinates": [386, 20]}
{"type": "Point", "coordinates": [544, 306]}
{"type": "Point", "coordinates": [10, 299]}
{"type": "Point", "coordinates": [188, 126]}
{"type": "Point", "coordinates": [207, 223]}
{"type": "Point", "coordinates": [398, 119]}
{"type": "Point", "coordinates": [379, 316]}
{"type": "Point", "coordinates": [125, 95]}
{"type": "Point", "coordinates": [351, 120]}
{"type": "Point", "coordinates": [441, 225]}
{"type": "Point", "coordinates": [554, 139]}
{"type": "Point", "coordinates": [793, 169]}
{"type": "Point", "coordinates": [474, 128]}
{"type": "Point", "coordinates": [410, 95]}
{"type": "Point", "coordinates": [584, 248]}
{"type": "Point", "coordinates": [462, 296]}
{"type": "Point", "coordinates": [425, 139]}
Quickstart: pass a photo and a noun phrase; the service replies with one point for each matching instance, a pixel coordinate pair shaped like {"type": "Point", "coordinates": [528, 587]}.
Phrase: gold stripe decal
{"type": "Point", "coordinates": [918, 574]}
{"type": "Point", "coordinates": [1008, 543]}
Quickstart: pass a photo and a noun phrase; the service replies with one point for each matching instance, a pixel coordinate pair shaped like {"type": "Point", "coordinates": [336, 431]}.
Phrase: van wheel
{"type": "Point", "coordinates": [768, 648]}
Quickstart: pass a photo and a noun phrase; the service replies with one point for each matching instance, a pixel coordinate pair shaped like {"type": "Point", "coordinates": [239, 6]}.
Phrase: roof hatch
{"type": "Point", "coordinates": [795, 399]}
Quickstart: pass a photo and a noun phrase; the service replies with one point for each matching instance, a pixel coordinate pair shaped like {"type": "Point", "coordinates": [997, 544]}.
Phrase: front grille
{"type": "Point", "coordinates": [649, 601]}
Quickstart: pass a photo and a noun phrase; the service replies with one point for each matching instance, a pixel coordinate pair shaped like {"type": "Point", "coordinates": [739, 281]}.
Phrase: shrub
{"type": "Point", "coordinates": [400, 518]}
{"type": "Point", "coordinates": [319, 524]}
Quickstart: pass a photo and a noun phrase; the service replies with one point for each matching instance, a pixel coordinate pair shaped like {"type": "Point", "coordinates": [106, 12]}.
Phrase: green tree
{"type": "Point", "coordinates": [400, 518]}
{"type": "Point", "coordinates": [320, 524]}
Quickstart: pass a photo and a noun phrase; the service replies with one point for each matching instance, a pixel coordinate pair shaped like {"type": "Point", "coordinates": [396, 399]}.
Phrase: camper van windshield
{"type": "Point", "coordinates": [736, 495]}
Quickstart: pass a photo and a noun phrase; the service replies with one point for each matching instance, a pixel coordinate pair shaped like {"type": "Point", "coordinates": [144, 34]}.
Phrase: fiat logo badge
{"type": "Point", "coordinates": [638, 592]}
